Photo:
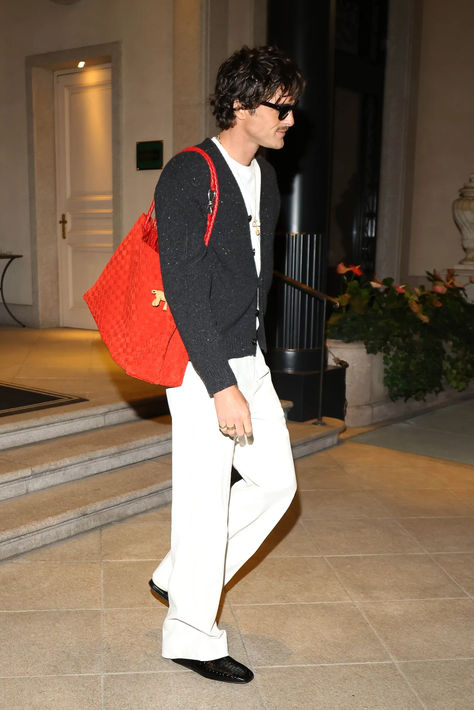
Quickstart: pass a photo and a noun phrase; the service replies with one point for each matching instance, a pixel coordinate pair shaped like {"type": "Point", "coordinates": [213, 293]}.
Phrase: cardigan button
{"type": "Point", "coordinates": [257, 312]}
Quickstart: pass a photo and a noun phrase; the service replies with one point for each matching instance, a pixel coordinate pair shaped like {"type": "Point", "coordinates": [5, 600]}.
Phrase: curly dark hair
{"type": "Point", "coordinates": [251, 76]}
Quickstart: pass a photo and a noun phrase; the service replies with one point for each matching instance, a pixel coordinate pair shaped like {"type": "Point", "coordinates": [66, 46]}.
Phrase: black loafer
{"type": "Point", "coordinates": [160, 592]}
{"type": "Point", "coordinates": [225, 669]}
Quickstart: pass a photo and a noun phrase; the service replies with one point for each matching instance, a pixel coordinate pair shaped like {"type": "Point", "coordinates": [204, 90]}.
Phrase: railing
{"type": "Point", "coordinates": [324, 299]}
{"type": "Point", "coordinates": [307, 289]}
{"type": "Point", "coordinates": [295, 317]}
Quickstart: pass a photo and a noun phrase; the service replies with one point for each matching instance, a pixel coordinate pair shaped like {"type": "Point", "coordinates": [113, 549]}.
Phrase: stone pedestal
{"type": "Point", "coordinates": [463, 214]}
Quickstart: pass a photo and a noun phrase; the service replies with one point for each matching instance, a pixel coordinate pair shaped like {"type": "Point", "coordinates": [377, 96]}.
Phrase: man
{"type": "Point", "coordinates": [226, 411]}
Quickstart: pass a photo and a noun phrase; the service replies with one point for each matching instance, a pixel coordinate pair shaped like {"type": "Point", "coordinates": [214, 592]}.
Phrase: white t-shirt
{"type": "Point", "coordinates": [248, 178]}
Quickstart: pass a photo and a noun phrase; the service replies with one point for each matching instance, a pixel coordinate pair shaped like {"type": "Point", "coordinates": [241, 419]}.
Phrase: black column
{"type": "Point", "coordinates": [305, 30]}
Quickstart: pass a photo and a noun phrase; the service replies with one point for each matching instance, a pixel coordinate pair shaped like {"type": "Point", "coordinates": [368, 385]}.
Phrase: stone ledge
{"type": "Point", "coordinates": [386, 410]}
{"type": "Point", "coordinates": [367, 399]}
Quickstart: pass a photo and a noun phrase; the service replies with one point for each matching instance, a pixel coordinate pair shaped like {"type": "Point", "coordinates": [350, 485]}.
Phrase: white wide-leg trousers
{"type": "Point", "coordinates": [216, 528]}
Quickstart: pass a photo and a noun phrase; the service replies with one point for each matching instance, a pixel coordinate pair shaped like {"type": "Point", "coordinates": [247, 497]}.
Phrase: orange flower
{"type": "Point", "coordinates": [341, 268]}
{"type": "Point", "coordinates": [451, 279]}
{"type": "Point", "coordinates": [399, 289]}
{"type": "Point", "coordinates": [439, 288]}
{"type": "Point", "coordinates": [423, 317]}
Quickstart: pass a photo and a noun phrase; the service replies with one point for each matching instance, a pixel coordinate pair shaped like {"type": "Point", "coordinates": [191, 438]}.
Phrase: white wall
{"type": "Point", "coordinates": [30, 27]}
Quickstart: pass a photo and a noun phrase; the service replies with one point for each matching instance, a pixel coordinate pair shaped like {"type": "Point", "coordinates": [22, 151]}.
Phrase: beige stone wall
{"type": "Point", "coordinates": [33, 27]}
{"type": "Point", "coordinates": [170, 50]}
{"type": "Point", "coordinates": [444, 148]}
{"type": "Point", "coordinates": [229, 25]}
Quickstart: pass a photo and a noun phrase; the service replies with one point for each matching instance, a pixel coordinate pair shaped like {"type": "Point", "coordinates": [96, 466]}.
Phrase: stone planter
{"type": "Point", "coordinates": [364, 380]}
{"type": "Point", "coordinates": [366, 396]}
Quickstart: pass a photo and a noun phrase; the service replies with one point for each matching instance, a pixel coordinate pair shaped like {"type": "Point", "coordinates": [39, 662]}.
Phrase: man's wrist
{"type": "Point", "coordinates": [225, 390]}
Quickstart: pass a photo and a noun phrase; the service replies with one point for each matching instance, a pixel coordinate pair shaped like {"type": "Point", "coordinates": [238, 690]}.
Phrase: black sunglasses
{"type": "Point", "coordinates": [283, 109]}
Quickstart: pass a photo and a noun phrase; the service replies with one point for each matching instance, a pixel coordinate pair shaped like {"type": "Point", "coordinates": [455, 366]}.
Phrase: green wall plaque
{"type": "Point", "coordinates": [150, 155]}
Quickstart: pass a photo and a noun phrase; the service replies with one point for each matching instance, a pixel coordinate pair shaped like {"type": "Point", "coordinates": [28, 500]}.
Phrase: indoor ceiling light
{"type": "Point", "coordinates": [81, 64]}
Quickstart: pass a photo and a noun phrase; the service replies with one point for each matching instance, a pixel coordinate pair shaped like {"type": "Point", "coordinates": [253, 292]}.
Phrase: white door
{"type": "Point", "coordinates": [84, 186]}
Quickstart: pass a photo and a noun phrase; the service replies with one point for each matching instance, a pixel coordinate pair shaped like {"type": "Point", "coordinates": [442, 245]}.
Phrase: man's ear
{"type": "Point", "coordinates": [239, 111]}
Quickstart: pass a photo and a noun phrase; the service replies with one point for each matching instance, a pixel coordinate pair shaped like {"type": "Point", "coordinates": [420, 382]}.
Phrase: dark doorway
{"type": "Point", "coordinates": [359, 66]}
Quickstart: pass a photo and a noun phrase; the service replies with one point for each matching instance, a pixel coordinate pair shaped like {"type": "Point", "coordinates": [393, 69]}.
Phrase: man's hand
{"type": "Point", "coordinates": [233, 413]}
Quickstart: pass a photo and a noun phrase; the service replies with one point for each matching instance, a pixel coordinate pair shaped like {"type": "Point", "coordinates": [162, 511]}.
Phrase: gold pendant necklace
{"type": "Point", "coordinates": [256, 217]}
{"type": "Point", "coordinates": [256, 220]}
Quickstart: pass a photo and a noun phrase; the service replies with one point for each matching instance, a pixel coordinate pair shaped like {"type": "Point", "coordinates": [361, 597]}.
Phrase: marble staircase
{"type": "Point", "coordinates": [75, 468]}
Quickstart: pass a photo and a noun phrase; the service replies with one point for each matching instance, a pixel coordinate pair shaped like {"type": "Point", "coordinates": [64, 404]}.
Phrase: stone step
{"type": "Point", "coordinates": [33, 466]}
{"type": "Point", "coordinates": [26, 469]}
{"type": "Point", "coordinates": [39, 518]}
{"type": "Point", "coordinates": [310, 437]}
{"type": "Point", "coordinates": [44, 516]}
{"type": "Point", "coordinates": [21, 429]}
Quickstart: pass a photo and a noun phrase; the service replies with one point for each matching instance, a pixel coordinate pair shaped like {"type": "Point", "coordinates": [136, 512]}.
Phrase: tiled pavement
{"type": "Point", "coordinates": [363, 598]}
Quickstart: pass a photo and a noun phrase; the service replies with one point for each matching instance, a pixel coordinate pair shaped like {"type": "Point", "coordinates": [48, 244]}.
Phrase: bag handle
{"type": "Point", "coordinates": [212, 195]}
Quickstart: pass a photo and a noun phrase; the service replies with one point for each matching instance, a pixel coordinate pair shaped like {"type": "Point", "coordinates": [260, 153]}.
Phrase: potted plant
{"type": "Point", "coordinates": [424, 336]}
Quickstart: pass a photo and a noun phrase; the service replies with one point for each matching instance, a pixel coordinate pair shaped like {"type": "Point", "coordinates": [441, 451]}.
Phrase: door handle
{"type": "Point", "coordinates": [63, 222]}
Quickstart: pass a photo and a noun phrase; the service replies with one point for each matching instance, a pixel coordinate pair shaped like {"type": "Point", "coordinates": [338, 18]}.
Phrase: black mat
{"type": "Point", "coordinates": [16, 400]}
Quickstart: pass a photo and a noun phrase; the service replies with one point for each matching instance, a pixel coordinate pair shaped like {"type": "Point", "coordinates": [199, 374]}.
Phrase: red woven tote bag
{"type": "Point", "coordinates": [128, 304]}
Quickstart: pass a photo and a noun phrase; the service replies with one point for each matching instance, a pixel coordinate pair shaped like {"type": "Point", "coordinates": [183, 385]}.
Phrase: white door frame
{"type": "Point", "coordinates": [41, 168]}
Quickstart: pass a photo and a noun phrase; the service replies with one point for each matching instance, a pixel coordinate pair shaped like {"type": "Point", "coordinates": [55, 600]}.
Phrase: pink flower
{"type": "Point", "coordinates": [399, 289]}
{"type": "Point", "coordinates": [341, 268]}
{"type": "Point", "coordinates": [439, 288]}
{"type": "Point", "coordinates": [376, 283]}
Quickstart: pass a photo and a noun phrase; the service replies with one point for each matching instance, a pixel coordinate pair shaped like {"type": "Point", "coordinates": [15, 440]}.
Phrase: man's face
{"type": "Point", "coordinates": [263, 126]}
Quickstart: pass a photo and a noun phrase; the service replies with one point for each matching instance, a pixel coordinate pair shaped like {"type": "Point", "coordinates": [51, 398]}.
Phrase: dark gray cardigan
{"type": "Point", "coordinates": [212, 293]}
